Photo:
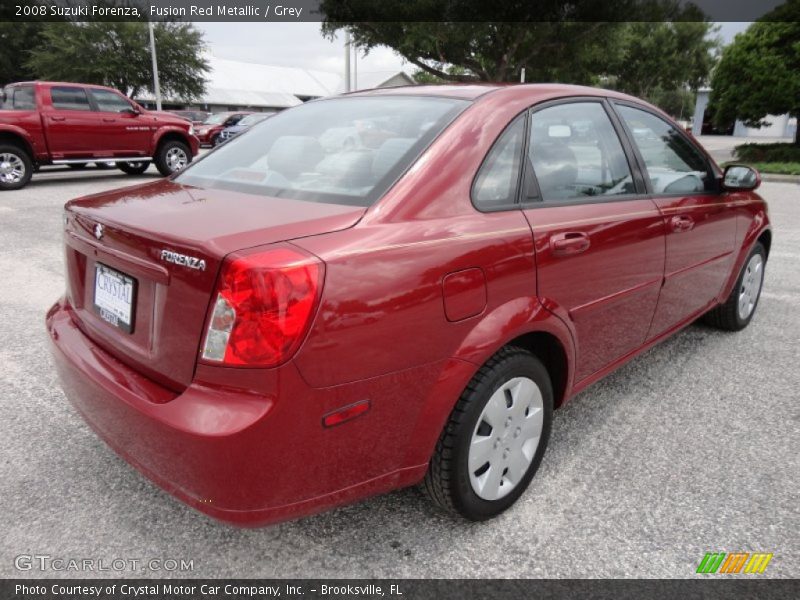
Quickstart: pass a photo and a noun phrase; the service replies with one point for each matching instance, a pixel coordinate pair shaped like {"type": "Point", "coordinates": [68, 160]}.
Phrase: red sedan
{"type": "Point", "coordinates": [208, 131]}
{"type": "Point", "coordinates": [288, 325]}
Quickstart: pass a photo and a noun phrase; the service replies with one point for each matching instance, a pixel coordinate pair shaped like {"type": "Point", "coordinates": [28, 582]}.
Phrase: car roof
{"type": "Point", "coordinates": [473, 91]}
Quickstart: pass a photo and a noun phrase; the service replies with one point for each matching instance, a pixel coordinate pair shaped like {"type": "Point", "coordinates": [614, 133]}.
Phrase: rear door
{"type": "Point", "coordinates": [70, 123]}
{"type": "Point", "coordinates": [599, 239]}
{"type": "Point", "coordinates": [119, 131]}
{"type": "Point", "coordinates": [701, 230]}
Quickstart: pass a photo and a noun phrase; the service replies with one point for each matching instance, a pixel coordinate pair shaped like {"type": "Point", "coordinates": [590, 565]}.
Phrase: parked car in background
{"type": "Point", "coordinates": [45, 123]}
{"type": "Point", "coordinates": [283, 328]}
{"type": "Point", "coordinates": [196, 117]}
{"type": "Point", "coordinates": [208, 131]}
{"type": "Point", "coordinates": [242, 126]}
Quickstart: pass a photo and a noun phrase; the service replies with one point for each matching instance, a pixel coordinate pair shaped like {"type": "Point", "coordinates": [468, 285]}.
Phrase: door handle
{"type": "Point", "coordinates": [681, 223]}
{"type": "Point", "coordinates": [109, 120]}
{"type": "Point", "coordinates": [570, 243]}
{"type": "Point", "coordinates": [58, 118]}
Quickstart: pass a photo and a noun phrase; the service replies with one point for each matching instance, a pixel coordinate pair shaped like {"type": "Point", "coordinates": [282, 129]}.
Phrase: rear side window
{"type": "Point", "coordinates": [20, 98]}
{"type": "Point", "coordinates": [109, 101]}
{"type": "Point", "coordinates": [339, 151]}
{"type": "Point", "coordinates": [495, 186]}
{"type": "Point", "coordinates": [673, 164]}
{"type": "Point", "coordinates": [576, 153]}
{"type": "Point", "coordinates": [69, 98]}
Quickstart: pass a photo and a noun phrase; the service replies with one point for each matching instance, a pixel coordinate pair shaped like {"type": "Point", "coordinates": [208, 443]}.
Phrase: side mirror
{"type": "Point", "coordinates": [740, 178]}
{"type": "Point", "coordinates": [130, 111]}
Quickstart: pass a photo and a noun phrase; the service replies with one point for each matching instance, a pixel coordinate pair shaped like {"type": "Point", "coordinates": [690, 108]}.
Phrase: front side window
{"type": "Point", "coordinates": [342, 151]}
{"type": "Point", "coordinates": [69, 98]}
{"type": "Point", "coordinates": [576, 153]}
{"type": "Point", "coordinates": [110, 102]}
{"type": "Point", "coordinates": [673, 164]}
{"type": "Point", "coordinates": [496, 184]}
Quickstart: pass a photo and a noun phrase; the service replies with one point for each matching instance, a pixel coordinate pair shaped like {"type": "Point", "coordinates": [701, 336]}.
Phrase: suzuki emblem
{"type": "Point", "coordinates": [98, 231]}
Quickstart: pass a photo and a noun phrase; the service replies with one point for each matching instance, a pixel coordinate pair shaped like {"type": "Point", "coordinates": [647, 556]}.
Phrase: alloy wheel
{"type": "Point", "coordinates": [12, 169]}
{"type": "Point", "coordinates": [751, 286]}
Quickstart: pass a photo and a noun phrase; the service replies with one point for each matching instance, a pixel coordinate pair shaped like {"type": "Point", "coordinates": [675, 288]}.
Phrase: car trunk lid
{"type": "Point", "coordinates": [165, 244]}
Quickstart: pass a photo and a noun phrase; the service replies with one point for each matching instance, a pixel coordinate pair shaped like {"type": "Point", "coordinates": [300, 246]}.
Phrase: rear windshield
{"type": "Point", "coordinates": [339, 151]}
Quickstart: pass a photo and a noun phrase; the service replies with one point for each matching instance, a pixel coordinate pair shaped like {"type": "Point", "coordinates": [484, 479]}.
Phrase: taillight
{"type": "Point", "coordinates": [263, 306]}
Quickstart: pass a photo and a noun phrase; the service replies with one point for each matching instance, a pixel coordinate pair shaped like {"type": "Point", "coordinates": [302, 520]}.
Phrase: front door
{"type": "Point", "coordinates": [701, 230]}
{"type": "Point", "coordinates": [599, 240]}
{"type": "Point", "coordinates": [120, 132]}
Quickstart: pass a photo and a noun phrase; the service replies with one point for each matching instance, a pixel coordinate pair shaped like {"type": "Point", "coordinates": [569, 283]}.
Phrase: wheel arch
{"type": "Point", "coordinates": [9, 136]}
{"type": "Point", "coordinates": [170, 134]}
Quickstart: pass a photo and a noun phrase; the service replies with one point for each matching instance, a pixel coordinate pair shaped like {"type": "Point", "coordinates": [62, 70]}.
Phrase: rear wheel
{"type": "Point", "coordinates": [16, 167]}
{"type": "Point", "coordinates": [737, 311]}
{"type": "Point", "coordinates": [495, 437]}
{"type": "Point", "coordinates": [172, 156]}
{"type": "Point", "coordinates": [133, 168]}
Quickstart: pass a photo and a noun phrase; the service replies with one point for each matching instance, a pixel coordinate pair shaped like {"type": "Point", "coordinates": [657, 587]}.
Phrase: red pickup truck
{"type": "Point", "coordinates": [44, 123]}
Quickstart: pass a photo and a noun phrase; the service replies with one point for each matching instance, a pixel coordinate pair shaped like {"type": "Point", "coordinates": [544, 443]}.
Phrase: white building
{"type": "Point", "coordinates": [780, 126]}
{"type": "Point", "coordinates": [238, 85]}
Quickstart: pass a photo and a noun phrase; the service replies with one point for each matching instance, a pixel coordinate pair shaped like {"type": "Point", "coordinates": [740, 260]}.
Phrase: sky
{"type": "Point", "coordinates": [302, 45]}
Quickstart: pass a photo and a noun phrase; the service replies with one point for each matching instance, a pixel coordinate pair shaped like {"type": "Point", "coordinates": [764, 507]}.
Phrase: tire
{"type": "Point", "coordinates": [172, 156]}
{"type": "Point", "coordinates": [133, 168]}
{"type": "Point", "coordinates": [77, 166]}
{"type": "Point", "coordinates": [214, 141]}
{"type": "Point", "coordinates": [16, 167]}
{"type": "Point", "coordinates": [454, 484]}
{"type": "Point", "coordinates": [738, 309]}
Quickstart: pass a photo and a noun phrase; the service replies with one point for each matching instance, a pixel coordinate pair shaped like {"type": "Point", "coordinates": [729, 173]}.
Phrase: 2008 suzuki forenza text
{"type": "Point", "coordinates": [393, 287]}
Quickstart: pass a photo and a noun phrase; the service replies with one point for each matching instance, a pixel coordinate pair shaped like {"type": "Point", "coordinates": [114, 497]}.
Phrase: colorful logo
{"type": "Point", "coordinates": [734, 562]}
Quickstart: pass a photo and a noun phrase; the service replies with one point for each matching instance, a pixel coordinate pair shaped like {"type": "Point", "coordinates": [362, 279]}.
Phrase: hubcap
{"type": "Point", "coordinates": [751, 286]}
{"type": "Point", "coordinates": [12, 169]}
{"type": "Point", "coordinates": [176, 159]}
{"type": "Point", "coordinates": [505, 438]}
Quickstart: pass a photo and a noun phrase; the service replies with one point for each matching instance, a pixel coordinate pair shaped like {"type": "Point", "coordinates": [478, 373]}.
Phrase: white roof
{"type": "Point", "coordinates": [239, 83]}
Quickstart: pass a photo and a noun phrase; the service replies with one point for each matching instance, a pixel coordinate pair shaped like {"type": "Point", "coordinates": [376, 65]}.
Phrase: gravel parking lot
{"type": "Point", "coordinates": [691, 448]}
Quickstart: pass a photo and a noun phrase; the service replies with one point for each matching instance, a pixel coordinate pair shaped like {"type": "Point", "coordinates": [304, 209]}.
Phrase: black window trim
{"type": "Point", "coordinates": [630, 156]}
{"type": "Point", "coordinates": [710, 167]}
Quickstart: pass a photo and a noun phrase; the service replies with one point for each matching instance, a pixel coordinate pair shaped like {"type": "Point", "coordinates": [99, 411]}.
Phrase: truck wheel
{"type": "Point", "coordinates": [172, 156]}
{"type": "Point", "coordinates": [16, 167]}
{"type": "Point", "coordinates": [495, 438]}
{"type": "Point", "coordinates": [133, 168]}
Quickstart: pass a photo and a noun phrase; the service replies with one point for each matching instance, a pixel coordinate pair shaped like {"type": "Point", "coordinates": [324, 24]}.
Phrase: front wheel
{"type": "Point", "coordinates": [172, 156]}
{"type": "Point", "coordinates": [738, 309]}
{"type": "Point", "coordinates": [16, 167]}
{"type": "Point", "coordinates": [133, 168]}
{"type": "Point", "coordinates": [495, 437]}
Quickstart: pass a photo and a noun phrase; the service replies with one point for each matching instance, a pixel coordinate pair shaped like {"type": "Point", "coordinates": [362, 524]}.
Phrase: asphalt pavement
{"type": "Point", "coordinates": [691, 448]}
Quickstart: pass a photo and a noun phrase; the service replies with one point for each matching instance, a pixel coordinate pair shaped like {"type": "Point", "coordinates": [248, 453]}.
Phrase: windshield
{"type": "Point", "coordinates": [251, 120]}
{"type": "Point", "coordinates": [344, 150]}
{"type": "Point", "coordinates": [216, 119]}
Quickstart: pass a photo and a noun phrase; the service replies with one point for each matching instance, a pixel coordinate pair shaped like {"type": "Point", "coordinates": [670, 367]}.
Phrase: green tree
{"type": "Point", "coordinates": [665, 63]}
{"type": "Point", "coordinates": [554, 41]}
{"type": "Point", "coordinates": [759, 72]}
{"type": "Point", "coordinates": [16, 41]}
{"type": "Point", "coordinates": [118, 55]}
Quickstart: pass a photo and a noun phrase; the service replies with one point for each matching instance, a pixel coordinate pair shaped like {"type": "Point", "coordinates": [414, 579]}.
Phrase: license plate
{"type": "Point", "coordinates": [114, 297]}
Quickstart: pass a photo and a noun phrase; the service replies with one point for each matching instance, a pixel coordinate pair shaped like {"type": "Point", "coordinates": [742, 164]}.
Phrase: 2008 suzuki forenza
{"type": "Point", "coordinates": [394, 287]}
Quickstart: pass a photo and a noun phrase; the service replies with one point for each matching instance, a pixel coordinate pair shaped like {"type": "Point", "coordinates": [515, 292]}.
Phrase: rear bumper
{"type": "Point", "coordinates": [245, 458]}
